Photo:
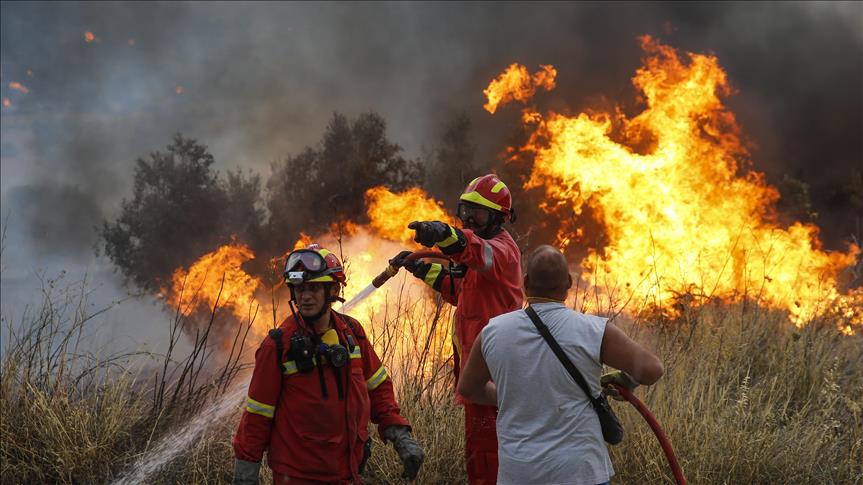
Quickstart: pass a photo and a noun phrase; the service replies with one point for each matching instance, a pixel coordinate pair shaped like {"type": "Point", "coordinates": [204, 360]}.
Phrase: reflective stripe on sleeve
{"type": "Point", "coordinates": [256, 407]}
{"type": "Point", "coordinates": [452, 239]}
{"type": "Point", "coordinates": [487, 256]}
{"type": "Point", "coordinates": [434, 272]}
{"type": "Point", "coordinates": [357, 353]}
{"type": "Point", "coordinates": [377, 378]}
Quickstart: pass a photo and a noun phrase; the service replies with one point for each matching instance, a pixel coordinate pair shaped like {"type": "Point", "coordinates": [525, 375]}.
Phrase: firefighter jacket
{"type": "Point", "coordinates": [309, 435]}
{"type": "Point", "coordinates": [491, 286]}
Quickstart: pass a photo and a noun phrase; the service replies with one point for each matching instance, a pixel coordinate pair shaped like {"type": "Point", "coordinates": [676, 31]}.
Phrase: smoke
{"type": "Point", "coordinates": [258, 81]}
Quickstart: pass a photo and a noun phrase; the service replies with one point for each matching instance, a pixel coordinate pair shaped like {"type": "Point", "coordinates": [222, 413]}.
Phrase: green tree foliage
{"type": "Point", "coordinates": [323, 184]}
{"type": "Point", "coordinates": [180, 210]}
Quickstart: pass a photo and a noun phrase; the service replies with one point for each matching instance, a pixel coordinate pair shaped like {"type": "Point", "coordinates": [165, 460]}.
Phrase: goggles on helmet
{"type": "Point", "coordinates": [304, 265]}
{"type": "Point", "coordinates": [467, 212]}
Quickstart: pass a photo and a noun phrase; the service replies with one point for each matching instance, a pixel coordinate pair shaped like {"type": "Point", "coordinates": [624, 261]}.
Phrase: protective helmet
{"type": "Point", "coordinates": [314, 264]}
{"type": "Point", "coordinates": [490, 192]}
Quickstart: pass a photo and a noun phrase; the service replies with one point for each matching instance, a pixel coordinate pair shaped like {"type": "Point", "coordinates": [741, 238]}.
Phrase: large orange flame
{"type": "Point", "coordinates": [216, 279]}
{"type": "Point", "coordinates": [517, 84]}
{"type": "Point", "coordinates": [390, 213]}
{"type": "Point", "coordinates": [681, 215]}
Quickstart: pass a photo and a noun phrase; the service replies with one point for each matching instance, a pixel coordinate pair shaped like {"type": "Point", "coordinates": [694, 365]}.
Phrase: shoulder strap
{"type": "Point", "coordinates": [555, 347]}
{"type": "Point", "coordinates": [276, 335]}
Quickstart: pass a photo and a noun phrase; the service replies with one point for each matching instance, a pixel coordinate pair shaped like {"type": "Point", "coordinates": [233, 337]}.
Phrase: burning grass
{"type": "Point", "coordinates": [747, 398]}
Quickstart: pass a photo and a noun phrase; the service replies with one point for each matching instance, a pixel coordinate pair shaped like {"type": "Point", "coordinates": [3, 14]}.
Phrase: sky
{"type": "Point", "coordinates": [259, 81]}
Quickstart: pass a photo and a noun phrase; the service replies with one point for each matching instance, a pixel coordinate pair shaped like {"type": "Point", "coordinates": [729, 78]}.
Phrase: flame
{"type": "Point", "coordinates": [681, 216]}
{"type": "Point", "coordinates": [304, 241]}
{"type": "Point", "coordinates": [179, 90]}
{"type": "Point", "coordinates": [7, 103]}
{"type": "Point", "coordinates": [390, 213]}
{"type": "Point", "coordinates": [215, 279]}
{"type": "Point", "coordinates": [18, 87]}
{"type": "Point", "coordinates": [516, 84]}
{"type": "Point", "coordinates": [364, 251]}
{"type": "Point", "coordinates": [89, 37]}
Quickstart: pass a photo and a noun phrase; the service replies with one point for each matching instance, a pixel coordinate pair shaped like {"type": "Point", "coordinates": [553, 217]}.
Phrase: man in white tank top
{"type": "Point", "coordinates": [547, 431]}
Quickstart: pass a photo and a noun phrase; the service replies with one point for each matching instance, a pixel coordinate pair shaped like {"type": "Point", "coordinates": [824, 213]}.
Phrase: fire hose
{"type": "Point", "coordinates": [664, 442]}
{"type": "Point", "coordinates": [657, 430]}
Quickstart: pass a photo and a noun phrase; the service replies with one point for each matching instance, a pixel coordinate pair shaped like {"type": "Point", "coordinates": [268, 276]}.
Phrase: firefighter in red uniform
{"type": "Point", "coordinates": [485, 283]}
{"type": "Point", "coordinates": [316, 384]}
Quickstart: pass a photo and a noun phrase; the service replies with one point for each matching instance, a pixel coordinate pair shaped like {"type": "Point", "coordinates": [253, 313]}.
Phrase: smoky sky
{"type": "Point", "coordinates": [259, 81]}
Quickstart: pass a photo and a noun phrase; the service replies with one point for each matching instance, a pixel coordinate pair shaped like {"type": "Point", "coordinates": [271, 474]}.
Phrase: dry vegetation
{"type": "Point", "coordinates": [746, 398]}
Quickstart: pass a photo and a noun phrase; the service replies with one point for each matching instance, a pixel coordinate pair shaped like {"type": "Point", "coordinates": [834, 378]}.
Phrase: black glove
{"type": "Point", "coordinates": [410, 452]}
{"type": "Point", "coordinates": [246, 472]}
{"type": "Point", "coordinates": [400, 261]}
{"type": "Point", "coordinates": [429, 233]}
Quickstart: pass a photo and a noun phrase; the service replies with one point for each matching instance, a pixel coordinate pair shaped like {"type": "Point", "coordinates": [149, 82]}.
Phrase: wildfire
{"type": "Point", "coordinates": [18, 87]}
{"type": "Point", "coordinates": [364, 251]}
{"type": "Point", "coordinates": [681, 216]}
{"type": "Point", "coordinates": [517, 84]}
{"type": "Point", "coordinates": [216, 279]}
{"type": "Point", "coordinates": [89, 37]}
{"type": "Point", "coordinates": [390, 213]}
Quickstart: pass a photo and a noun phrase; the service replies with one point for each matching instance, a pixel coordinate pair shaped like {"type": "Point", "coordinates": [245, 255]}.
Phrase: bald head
{"type": "Point", "coordinates": [547, 274]}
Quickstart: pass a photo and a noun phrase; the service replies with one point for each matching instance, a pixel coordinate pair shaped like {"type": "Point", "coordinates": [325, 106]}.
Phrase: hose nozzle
{"type": "Point", "coordinates": [384, 276]}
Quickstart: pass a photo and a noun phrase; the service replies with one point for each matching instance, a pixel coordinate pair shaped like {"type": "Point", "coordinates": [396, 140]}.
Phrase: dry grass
{"type": "Point", "coordinates": [746, 398]}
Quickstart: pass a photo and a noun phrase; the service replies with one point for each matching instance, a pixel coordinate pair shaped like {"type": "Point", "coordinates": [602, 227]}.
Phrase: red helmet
{"type": "Point", "coordinates": [488, 191]}
{"type": "Point", "coordinates": [314, 264]}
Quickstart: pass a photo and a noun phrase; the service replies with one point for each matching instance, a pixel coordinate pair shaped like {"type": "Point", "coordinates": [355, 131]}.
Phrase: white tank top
{"type": "Point", "coordinates": [547, 431]}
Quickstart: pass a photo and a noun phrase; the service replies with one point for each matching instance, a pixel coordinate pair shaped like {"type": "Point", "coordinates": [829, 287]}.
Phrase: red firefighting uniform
{"type": "Point", "coordinates": [491, 287]}
{"type": "Point", "coordinates": [307, 437]}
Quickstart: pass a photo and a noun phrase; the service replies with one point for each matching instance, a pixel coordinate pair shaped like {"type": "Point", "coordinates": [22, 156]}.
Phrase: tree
{"type": "Point", "coordinates": [321, 185]}
{"type": "Point", "coordinates": [453, 165]}
{"type": "Point", "coordinates": [180, 210]}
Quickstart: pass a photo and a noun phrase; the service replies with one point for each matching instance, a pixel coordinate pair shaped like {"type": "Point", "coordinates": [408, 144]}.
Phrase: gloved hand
{"type": "Point", "coordinates": [400, 261]}
{"type": "Point", "coordinates": [620, 378]}
{"type": "Point", "coordinates": [246, 472]}
{"type": "Point", "coordinates": [409, 450]}
{"type": "Point", "coordinates": [429, 233]}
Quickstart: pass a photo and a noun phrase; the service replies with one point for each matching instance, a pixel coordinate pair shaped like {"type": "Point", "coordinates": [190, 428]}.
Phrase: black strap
{"type": "Point", "coordinates": [276, 335]}
{"type": "Point", "coordinates": [555, 347]}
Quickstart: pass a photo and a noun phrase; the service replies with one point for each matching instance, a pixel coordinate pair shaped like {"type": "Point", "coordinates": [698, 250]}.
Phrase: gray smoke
{"type": "Point", "coordinates": [260, 80]}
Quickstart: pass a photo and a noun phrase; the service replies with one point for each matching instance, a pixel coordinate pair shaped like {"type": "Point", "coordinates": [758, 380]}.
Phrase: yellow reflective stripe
{"type": "Point", "coordinates": [377, 378]}
{"type": "Point", "coordinates": [256, 407]}
{"type": "Point", "coordinates": [322, 279]}
{"type": "Point", "coordinates": [487, 256]}
{"type": "Point", "coordinates": [497, 187]}
{"type": "Point", "coordinates": [433, 273]}
{"type": "Point", "coordinates": [291, 367]}
{"type": "Point", "coordinates": [476, 198]}
{"type": "Point", "coordinates": [455, 342]}
{"type": "Point", "coordinates": [452, 239]}
{"type": "Point", "coordinates": [323, 252]}
{"type": "Point", "coordinates": [357, 353]}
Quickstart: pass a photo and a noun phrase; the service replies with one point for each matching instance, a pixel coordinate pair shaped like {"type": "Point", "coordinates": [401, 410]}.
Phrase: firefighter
{"type": "Point", "coordinates": [485, 283]}
{"type": "Point", "coordinates": [316, 384]}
